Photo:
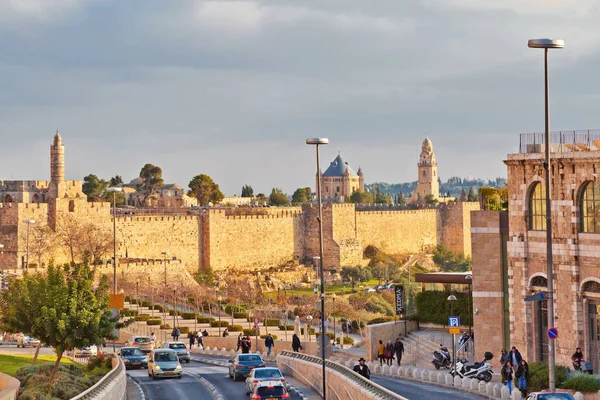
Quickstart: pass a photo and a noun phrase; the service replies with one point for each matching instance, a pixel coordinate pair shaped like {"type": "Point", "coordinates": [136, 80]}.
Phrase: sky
{"type": "Point", "coordinates": [232, 89]}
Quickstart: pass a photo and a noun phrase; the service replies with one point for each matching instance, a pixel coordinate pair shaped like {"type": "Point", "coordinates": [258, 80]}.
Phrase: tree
{"type": "Point", "coordinates": [361, 197]}
{"type": "Point", "coordinates": [93, 187]}
{"type": "Point", "coordinates": [118, 197]}
{"type": "Point", "coordinates": [463, 195]}
{"type": "Point", "coordinates": [430, 200]}
{"type": "Point", "coordinates": [261, 198]}
{"type": "Point", "coordinates": [471, 196]}
{"type": "Point", "coordinates": [41, 242]}
{"type": "Point", "coordinates": [354, 275]}
{"type": "Point", "coordinates": [278, 198]}
{"type": "Point", "coordinates": [247, 191]}
{"type": "Point", "coordinates": [116, 180]}
{"type": "Point", "coordinates": [450, 261]}
{"type": "Point", "coordinates": [95, 243]}
{"type": "Point", "coordinates": [301, 196]}
{"type": "Point", "coordinates": [150, 181]}
{"type": "Point", "coordinates": [205, 190]}
{"type": "Point", "coordinates": [61, 308]}
{"type": "Point", "coordinates": [401, 200]}
{"type": "Point", "coordinates": [70, 234]}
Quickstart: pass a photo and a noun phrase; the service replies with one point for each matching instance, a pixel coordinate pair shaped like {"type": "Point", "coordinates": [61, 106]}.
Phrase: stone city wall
{"type": "Point", "coordinates": [456, 226]}
{"type": "Point", "coordinates": [384, 332]}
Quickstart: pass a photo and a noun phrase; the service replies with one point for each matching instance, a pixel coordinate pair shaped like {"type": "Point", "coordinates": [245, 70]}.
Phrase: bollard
{"type": "Point", "coordinates": [441, 378]}
{"type": "Point", "coordinates": [516, 395]}
{"type": "Point", "coordinates": [482, 387]}
{"type": "Point", "coordinates": [497, 390]}
{"type": "Point", "coordinates": [394, 370]}
{"type": "Point", "coordinates": [489, 388]}
{"type": "Point", "coordinates": [424, 375]}
{"type": "Point", "coordinates": [385, 369]}
{"type": "Point", "coordinates": [457, 381]}
{"type": "Point", "coordinates": [474, 385]}
{"type": "Point", "coordinates": [402, 371]}
{"type": "Point", "coordinates": [449, 380]}
{"type": "Point", "coordinates": [504, 393]}
{"type": "Point", "coordinates": [578, 396]}
{"type": "Point", "coordinates": [466, 383]}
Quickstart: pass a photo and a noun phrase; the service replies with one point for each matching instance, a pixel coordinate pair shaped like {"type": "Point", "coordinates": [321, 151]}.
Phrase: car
{"type": "Point", "coordinates": [145, 343]}
{"type": "Point", "coordinates": [268, 390]}
{"type": "Point", "coordinates": [549, 396]}
{"type": "Point", "coordinates": [241, 365]}
{"type": "Point", "coordinates": [164, 363]}
{"type": "Point", "coordinates": [87, 351]}
{"type": "Point", "coordinates": [25, 340]}
{"type": "Point", "coordinates": [370, 290]}
{"type": "Point", "coordinates": [260, 375]}
{"type": "Point", "coordinates": [181, 349]}
{"type": "Point", "coordinates": [133, 357]}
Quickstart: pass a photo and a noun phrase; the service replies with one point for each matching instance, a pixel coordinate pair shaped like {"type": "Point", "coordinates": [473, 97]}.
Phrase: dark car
{"type": "Point", "coordinates": [242, 364]}
{"type": "Point", "coordinates": [133, 357]}
{"type": "Point", "coordinates": [269, 390]}
{"type": "Point", "coordinates": [181, 349]}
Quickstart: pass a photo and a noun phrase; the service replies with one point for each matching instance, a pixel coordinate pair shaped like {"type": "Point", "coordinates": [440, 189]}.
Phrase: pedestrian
{"type": "Point", "coordinates": [515, 356]}
{"type": "Point", "coordinates": [389, 352]}
{"type": "Point", "coordinates": [174, 334]}
{"type": "Point", "coordinates": [507, 376]}
{"type": "Point", "coordinates": [239, 342]}
{"type": "Point", "coordinates": [246, 345]}
{"type": "Point", "coordinates": [200, 340]}
{"type": "Point", "coordinates": [464, 341]}
{"type": "Point", "coordinates": [504, 357]}
{"type": "Point", "coordinates": [380, 352]}
{"type": "Point", "coordinates": [296, 346]}
{"type": "Point", "coordinates": [177, 334]}
{"type": "Point", "coordinates": [399, 350]}
{"type": "Point", "coordinates": [204, 332]}
{"type": "Point", "coordinates": [362, 369]}
{"type": "Point", "coordinates": [522, 374]}
{"type": "Point", "coordinates": [192, 340]}
{"type": "Point", "coordinates": [269, 343]}
{"type": "Point", "coordinates": [225, 332]}
{"type": "Point", "coordinates": [153, 338]}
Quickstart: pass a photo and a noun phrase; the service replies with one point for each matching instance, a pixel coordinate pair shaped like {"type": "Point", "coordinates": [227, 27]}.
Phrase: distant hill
{"type": "Point", "coordinates": [454, 185]}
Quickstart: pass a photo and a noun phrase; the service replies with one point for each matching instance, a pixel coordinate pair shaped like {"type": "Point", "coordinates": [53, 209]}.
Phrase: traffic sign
{"type": "Point", "coordinates": [455, 330]}
{"type": "Point", "coordinates": [256, 320]}
{"type": "Point", "coordinates": [454, 321]}
{"type": "Point", "coordinates": [552, 333]}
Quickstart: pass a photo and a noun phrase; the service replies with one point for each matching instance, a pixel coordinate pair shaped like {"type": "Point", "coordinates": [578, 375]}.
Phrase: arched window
{"type": "Point", "coordinates": [8, 199]}
{"type": "Point", "coordinates": [71, 206]}
{"type": "Point", "coordinates": [590, 208]}
{"type": "Point", "coordinates": [537, 207]}
{"type": "Point", "coordinates": [424, 173]}
{"type": "Point", "coordinates": [539, 281]}
{"type": "Point", "coordinates": [591, 287]}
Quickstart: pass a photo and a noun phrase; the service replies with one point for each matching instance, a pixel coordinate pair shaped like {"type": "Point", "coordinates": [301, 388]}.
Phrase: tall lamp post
{"type": "Point", "coordinates": [165, 254]}
{"type": "Point", "coordinates": [114, 191]}
{"type": "Point", "coordinates": [28, 222]}
{"type": "Point", "coordinates": [2, 252]}
{"type": "Point", "coordinates": [547, 44]}
{"type": "Point", "coordinates": [317, 142]}
{"type": "Point", "coordinates": [174, 309]}
{"type": "Point", "coordinates": [469, 280]}
{"type": "Point", "coordinates": [452, 299]}
{"type": "Point", "coordinates": [219, 299]}
{"type": "Point", "coordinates": [333, 296]}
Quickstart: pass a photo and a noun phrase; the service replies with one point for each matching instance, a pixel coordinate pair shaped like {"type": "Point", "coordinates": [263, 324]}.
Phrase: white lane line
{"type": "Point", "coordinates": [216, 393]}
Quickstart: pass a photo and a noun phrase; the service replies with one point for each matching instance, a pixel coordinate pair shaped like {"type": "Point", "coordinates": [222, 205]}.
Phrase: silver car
{"type": "Point", "coordinates": [164, 363]}
{"type": "Point", "coordinates": [181, 349]}
{"type": "Point", "coordinates": [258, 375]}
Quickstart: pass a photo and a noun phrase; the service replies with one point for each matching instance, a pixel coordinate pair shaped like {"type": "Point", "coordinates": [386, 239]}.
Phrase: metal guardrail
{"type": "Point", "coordinates": [92, 392]}
{"type": "Point", "coordinates": [376, 390]}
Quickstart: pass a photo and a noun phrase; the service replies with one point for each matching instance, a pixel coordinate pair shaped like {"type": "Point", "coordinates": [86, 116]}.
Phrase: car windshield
{"type": "Point", "coordinates": [267, 373]}
{"type": "Point", "coordinates": [177, 346]}
{"type": "Point", "coordinates": [165, 356]}
{"type": "Point", "coordinates": [143, 340]}
{"type": "Point", "coordinates": [249, 358]}
{"type": "Point", "coordinates": [555, 396]}
{"type": "Point", "coordinates": [266, 391]}
{"type": "Point", "coordinates": [131, 352]}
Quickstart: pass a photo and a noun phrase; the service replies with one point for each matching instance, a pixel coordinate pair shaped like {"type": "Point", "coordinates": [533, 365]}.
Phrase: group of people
{"type": "Point", "coordinates": [512, 363]}
{"type": "Point", "coordinates": [387, 352]}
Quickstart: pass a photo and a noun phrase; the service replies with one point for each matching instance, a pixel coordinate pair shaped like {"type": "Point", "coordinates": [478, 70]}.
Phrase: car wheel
{"type": "Point", "coordinates": [187, 361]}
{"type": "Point", "coordinates": [180, 376]}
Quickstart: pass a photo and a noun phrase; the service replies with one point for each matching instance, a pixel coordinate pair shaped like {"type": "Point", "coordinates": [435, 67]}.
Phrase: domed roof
{"type": "Point", "coordinates": [427, 156]}
{"type": "Point", "coordinates": [427, 145]}
{"type": "Point", "coordinates": [339, 167]}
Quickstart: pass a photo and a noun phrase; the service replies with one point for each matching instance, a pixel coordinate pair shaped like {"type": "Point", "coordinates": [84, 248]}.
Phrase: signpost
{"type": "Point", "coordinates": [454, 330]}
{"type": "Point", "coordinates": [552, 333]}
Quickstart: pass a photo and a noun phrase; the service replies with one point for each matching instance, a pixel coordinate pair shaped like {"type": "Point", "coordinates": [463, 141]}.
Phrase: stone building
{"type": "Point", "coordinates": [428, 180]}
{"type": "Point", "coordinates": [339, 180]}
{"type": "Point", "coordinates": [509, 257]}
{"type": "Point", "coordinates": [170, 195]}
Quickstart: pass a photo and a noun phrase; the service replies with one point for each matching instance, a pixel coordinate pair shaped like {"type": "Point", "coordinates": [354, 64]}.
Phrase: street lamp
{"type": "Point", "coordinates": [333, 296]}
{"type": "Point", "coordinates": [28, 222]}
{"type": "Point", "coordinates": [165, 254]}
{"type": "Point", "coordinates": [114, 191]}
{"type": "Point", "coordinates": [317, 142]}
{"type": "Point", "coordinates": [137, 295]}
{"type": "Point", "coordinates": [408, 297]}
{"type": "Point", "coordinates": [174, 310]}
{"type": "Point", "coordinates": [469, 279]}
{"type": "Point", "coordinates": [548, 44]}
{"type": "Point", "coordinates": [219, 299]}
{"type": "Point", "coordinates": [452, 299]}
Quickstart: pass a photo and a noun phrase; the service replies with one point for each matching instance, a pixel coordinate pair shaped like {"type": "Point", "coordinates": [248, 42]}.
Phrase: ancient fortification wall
{"type": "Point", "coordinates": [456, 226]}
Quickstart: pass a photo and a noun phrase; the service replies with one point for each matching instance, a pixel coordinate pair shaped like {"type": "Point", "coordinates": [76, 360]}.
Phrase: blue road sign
{"type": "Point", "coordinates": [552, 333]}
{"type": "Point", "coordinates": [453, 321]}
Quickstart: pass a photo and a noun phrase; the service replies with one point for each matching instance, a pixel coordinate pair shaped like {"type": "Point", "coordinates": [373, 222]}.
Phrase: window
{"type": "Point", "coordinates": [590, 208]}
{"type": "Point", "coordinates": [424, 173]}
{"type": "Point", "coordinates": [537, 207]}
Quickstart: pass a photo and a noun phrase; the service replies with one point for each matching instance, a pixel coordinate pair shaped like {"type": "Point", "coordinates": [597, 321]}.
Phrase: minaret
{"type": "Point", "coordinates": [427, 182]}
{"type": "Point", "coordinates": [361, 180]}
{"type": "Point", "coordinates": [57, 160]}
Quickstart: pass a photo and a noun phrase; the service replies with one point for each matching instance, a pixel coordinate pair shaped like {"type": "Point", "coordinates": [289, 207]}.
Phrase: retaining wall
{"type": "Point", "coordinates": [9, 387]}
{"type": "Point", "coordinates": [386, 331]}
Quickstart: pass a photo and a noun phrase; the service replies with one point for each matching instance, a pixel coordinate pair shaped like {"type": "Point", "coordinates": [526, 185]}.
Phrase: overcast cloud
{"type": "Point", "coordinates": [233, 88]}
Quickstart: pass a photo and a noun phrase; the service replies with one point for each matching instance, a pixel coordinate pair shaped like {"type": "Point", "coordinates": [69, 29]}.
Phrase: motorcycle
{"type": "Point", "coordinates": [441, 359]}
{"type": "Point", "coordinates": [479, 370]}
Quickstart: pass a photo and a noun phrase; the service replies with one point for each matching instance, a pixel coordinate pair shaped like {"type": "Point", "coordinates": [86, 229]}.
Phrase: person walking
{"type": "Point", "coordinates": [200, 340]}
{"type": "Point", "coordinates": [269, 343]}
{"type": "Point", "coordinates": [239, 342]}
{"type": "Point", "coordinates": [577, 359]}
{"type": "Point", "coordinates": [507, 376]}
{"type": "Point", "coordinates": [381, 352]}
{"type": "Point", "coordinates": [225, 332]}
{"type": "Point", "coordinates": [504, 357]}
{"type": "Point", "coordinates": [296, 346]}
{"type": "Point", "coordinates": [245, 345]}
{"type": "Point", "coordinates": [192, 340]}
{"type": "Point", "coordinates": [399, 350]}
{"type": "Point", "coordinates": [515, 357]}
{"type": "Point", "coordinates": [522, 374]}
{"type": "Point", "coordinates": [389, 352]}
{"type": "Point", "coordinates": [362, 369]}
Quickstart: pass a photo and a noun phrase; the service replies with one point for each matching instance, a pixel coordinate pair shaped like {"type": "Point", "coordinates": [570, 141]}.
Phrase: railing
{"type": "Point", "coordinates": [560, 141]}
{"type": "Point", "coordinates": [376, 390]}
{"type": "Point", "coordinates": [104, 383]}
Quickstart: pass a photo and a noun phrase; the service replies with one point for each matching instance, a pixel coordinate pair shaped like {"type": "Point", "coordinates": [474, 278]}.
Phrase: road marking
{"type": "Point", "coordinates": [216, 393]}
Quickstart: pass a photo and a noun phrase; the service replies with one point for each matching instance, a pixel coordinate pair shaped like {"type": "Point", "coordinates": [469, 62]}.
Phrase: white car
{"type": "Point", "coordinates": [87, 351]}
{"type": "Point", "coordinates": [370, 290]}
{"type": "Point", "coordinates": [258, 375]}
{"type": "Point", "coordinates": [24, 341]}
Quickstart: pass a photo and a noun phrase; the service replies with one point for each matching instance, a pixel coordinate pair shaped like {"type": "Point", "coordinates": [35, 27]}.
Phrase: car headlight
{"type": "Point", "coordinates": [127, 361]}
{"type": "Point", "coordinates": [156, 368]}
{"type": "Point", "coordinates": [178, 368]}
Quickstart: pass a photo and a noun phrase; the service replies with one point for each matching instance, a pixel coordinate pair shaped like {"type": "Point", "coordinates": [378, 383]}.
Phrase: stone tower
{"type": "Point", "coordinates": [57, 166]}
{"type": "Point", "coordinates": [427, 182]}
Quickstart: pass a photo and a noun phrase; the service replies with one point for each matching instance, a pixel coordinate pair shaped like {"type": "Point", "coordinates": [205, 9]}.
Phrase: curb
{"type": "Point", "coordinates": [294, 389]}
{"type": "Point", "coordinates": [216, 393]}
{"type": "Point", "coordinates": [138, 386]}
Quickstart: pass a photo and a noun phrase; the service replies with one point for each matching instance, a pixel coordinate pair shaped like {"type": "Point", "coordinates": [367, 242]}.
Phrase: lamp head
{"type": "Point", "coordinates": [114, 189]}
{"type": "Point", "coordinates": [546, 43]}
{"type": "Point", "coordinates": [451, 298]}
{"type": "Point", "coordinates": [317, 141]}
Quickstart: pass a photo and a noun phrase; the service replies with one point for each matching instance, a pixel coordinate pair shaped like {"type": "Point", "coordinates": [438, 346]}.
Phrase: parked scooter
{"type": "Point", "coordinates": [441, 359]}
{"type": "Point", "coordinates": [479, 370]}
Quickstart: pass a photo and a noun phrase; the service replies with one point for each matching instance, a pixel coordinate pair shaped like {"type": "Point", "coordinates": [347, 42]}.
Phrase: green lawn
{"type": "Point", "coordinates": [10, 364]}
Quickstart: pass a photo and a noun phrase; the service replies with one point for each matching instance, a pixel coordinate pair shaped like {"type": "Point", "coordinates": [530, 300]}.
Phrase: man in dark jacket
{"type": "Point", "coordinates": [269, 343]}
{"type": "Point", "coordinates": [296, 343]}
{"type": "Point", "coordinates": [362, 369]}
{"type": "Point", "coordinates": [246, 345]}
{"type": "Point", "coordinates": [399, 350]}
{"type": "Point", "coordinates": [515, 357]}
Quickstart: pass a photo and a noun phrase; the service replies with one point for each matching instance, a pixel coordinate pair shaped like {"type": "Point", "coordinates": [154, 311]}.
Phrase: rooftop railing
{"type": "Point", "coordinates": [560, 141]}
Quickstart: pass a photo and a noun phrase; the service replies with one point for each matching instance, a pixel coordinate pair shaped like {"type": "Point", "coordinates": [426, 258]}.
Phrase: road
{"type": "Point", "coordinates": [190, 387]}
{"type": "Point", "coordinates": [416, 391]}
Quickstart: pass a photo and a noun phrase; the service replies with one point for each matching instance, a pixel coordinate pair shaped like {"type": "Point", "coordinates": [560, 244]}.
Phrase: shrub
{"type": "Point", "coordinates": [153, 322]}
{"type": "Point", "coordinates": [236, 328]}
{"type": "Point", "coordinates": [355, 324]}
{"type": "Point", "coordinates": [380, 320]}
{"type": "Point", "coordinates": [205, 320]}
{"type": "Point", "coordinates": [143, 317]}
{"type": "Point", "coordinates": [329, 335]}
{"type": "Point", "coordinates": [158, 307]}
{"type": "Point", "coordinates": [128, 299]}
{"type": "Point", "coordinates": [311, 331]}
{"type": "Point", "coordinates": [271, 322]}
{"type": "Point", "coordinates": [265, 336]}
{"type": "Point", "coordinates": [165, 326]}
{"type": "Point", "coordinates": [582, 382]}
{"type": "Point", "coordinates": [172, 312]}
{"type": "Point", "coordinates": [538, 376]}
{"type": "Point", "coordinates": [286, 327]}
{"type": "Point", "coordinates": [128, 313]}
{"type": "Point", "coordinates": [215, 324]}
{"type": "Point", "coordinates": [347, 340]}
{"type": "Point", "coordinates": [249, 332]}
{"type": "Point", "coordinates": [240, 315]}
{"type": "Point", "coordinates": [433, 306]}
{"type": "Point", "coordinates": [188, 315]}
{"type": "Point", "coordinates": [146, 304]}
{"type": "Point", "coordinates": [184, 330]}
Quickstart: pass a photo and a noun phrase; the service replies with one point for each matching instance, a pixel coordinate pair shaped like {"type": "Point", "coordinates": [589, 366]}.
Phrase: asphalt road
{"type": "Point", "coordinates": [415, 391]}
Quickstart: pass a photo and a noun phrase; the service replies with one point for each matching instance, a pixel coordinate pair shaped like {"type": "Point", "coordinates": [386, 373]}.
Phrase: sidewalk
{"type": "Point", "coordinates": [134, 390]}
